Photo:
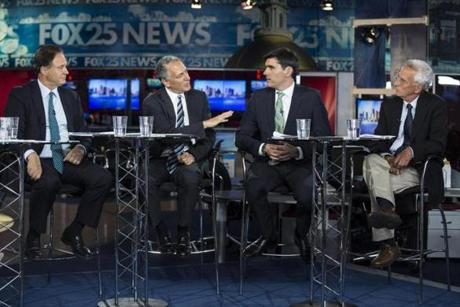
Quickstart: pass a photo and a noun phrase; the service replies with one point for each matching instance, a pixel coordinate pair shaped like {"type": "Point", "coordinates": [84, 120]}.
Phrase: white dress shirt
{"type": "Point", "coordinates": [400, 139]}
{"type": "Point", "coordinates": [60, 117]}
{"type": "Point", "coordinates": [287, 100]}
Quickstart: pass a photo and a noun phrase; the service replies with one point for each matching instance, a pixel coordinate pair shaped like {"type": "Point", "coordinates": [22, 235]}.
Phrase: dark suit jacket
{"type": "Point", "coordinates": [258, 122]}
{"type": "Point", "coordinates": [26, 103]}
{"type": "Point", "coordinates": [161, 107]}
{"type": "Point", "coordinates": [429, 136]}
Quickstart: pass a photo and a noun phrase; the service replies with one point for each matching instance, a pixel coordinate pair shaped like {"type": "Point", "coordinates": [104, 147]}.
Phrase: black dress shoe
{"type": "Point", "coordinates": [183, 247]}
{"type": "Point", "coordinates": [304, 247]}
{"type": "Point", "coordinates": [258, 247]}
{"type": "Point", "coordinates": [165, 243]}
{"type": "Point", "coordinates": [76, 243]}
{"type": "Point", "coordinates": [32, 248]}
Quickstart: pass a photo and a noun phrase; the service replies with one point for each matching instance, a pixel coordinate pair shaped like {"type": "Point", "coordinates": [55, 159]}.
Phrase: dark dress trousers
{"type": "Point", "coordinates": [429, 136]}
{"type": "Point", "coordinates": [257, 126]}
{"type": "Point", "coordinates": [26, 103]}
{"type": "Point", "coordinates": [186, 178]}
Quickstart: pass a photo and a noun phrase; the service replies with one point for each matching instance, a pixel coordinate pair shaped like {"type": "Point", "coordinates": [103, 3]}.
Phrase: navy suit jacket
{"type": "Point", "coordinates": [26, 103]}
{"type": "Point", "coordinates": [258, 122]}
{"type": "Point", "coordinates": [160, 106]}
{"type": "Point", "coordinates": [429, 136]}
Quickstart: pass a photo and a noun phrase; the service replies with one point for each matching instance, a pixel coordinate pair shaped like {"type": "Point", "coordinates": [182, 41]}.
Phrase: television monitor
{"type": "Point", "coordinates": [257, 85]}
{"type": "Point", "coordinates": [134, 90]}
{"type": "Point", "coordinates": [107, 94]}
{"type": "Point", "coordinates": [223, 95]}
{"type": "Point", "coordinates": [448, 87]}
{"type": "Point", "coordinates": [153, 83]}
{"type": "Point", "coordinates": [368, 111]}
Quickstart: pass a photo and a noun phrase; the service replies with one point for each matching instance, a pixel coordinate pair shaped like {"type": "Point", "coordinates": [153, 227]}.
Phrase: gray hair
{"type": "Point", "coordinates": [423, 72]}
{"type": "Point", "coordinates": [161, 70]}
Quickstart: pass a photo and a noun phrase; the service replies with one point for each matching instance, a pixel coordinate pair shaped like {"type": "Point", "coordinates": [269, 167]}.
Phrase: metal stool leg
{"type": "Point", "coordinates": [446, 245]}
{"type": "Point", "coordinates": [99, 271]}
{"type": "Point", "coordinates": [244, 240]}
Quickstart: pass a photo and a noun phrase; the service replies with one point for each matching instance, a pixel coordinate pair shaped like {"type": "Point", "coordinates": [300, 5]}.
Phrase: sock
{"type": "Point", "coordinates": [384, 203]}
{"type": "Point", "coordinates": [75, 228]}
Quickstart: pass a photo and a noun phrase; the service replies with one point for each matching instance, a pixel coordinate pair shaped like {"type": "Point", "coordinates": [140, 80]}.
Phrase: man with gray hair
{"type": "Point", "coordinates": [177, 108]}
{"type": "Point", "coordinates": [418, 119]}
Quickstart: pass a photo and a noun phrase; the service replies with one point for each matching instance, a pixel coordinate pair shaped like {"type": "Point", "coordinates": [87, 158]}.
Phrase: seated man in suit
{"type": "Point", "coordinates": [276, 108]}
{"type": "Point", "coordinates": [418, 119]}
{"type": "Point", "coordinates": [48, 111]}
{"type": "Point", "coordinates": [177, 108]}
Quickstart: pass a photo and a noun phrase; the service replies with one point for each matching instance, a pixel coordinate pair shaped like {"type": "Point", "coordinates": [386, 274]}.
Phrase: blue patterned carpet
{"type": "Point", "coordinates": [269, 283]}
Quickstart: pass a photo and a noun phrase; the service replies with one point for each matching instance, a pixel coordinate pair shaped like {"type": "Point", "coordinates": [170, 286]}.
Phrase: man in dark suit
{"type": "Point", "coordinates": [47, 111]}
{"type": "Point", "coordinates": [418, 119]}
{"type": "Point", "coordinates": [276, 108]}
{"type": "Point", "coordinates": [177, 108]}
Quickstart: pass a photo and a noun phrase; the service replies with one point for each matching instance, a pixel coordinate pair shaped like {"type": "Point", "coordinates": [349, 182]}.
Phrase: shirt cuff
{"type": "Point", "coordinates": [300, 151]}
{"type": "Point", "coordinates": [28, 153]}
{"type": "Point", "coordinates": [261, 153]}
{"type": "Point", "coordinates": [411, 150]}
{"type": "Point", "coordinates": [82, 147]}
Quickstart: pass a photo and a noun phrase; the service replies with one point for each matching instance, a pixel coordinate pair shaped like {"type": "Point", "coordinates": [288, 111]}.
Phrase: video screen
{"type": "Point", "coordinates": [257, 85]}
{"type": "Point", "coordinates": [135, 89]}
{"type": "Point", "coordinates": [107, 94]}
{"type": "Point", "coordinates": [153, 83]}
{"type": "Point", "coordinates": [224, 95]}
{"type": "Point", "coordinates": [368, 111]}
{"type": "Point", "coordinates": [448, 87]}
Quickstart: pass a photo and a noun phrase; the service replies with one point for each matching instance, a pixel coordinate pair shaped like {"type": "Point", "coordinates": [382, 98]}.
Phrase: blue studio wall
{"type": "Point", "coordinates": [135, 33]}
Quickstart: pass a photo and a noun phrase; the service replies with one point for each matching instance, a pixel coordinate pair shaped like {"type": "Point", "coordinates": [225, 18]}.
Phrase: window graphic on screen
{"type": "Point", "coordinates": [257, 85]}
{"type": "Point", "coordinates": [107, 94]}
{"type": "Point", "coordinates": [135, 88]}
{"type": "Point", "coordinates": [223, 95]}
{"type": "Point", "coordinates": [368, 111]}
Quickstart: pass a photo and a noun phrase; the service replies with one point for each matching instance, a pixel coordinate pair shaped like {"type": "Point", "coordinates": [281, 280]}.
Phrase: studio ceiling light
{"type": "Point", "coordinates": [327, 5]}
{"type": "Point", "coordinates": [196, 4]}
{"type": "Point", "coordinates": [247, 4]}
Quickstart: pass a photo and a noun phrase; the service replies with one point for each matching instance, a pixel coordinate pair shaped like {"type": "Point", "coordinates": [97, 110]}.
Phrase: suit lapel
{"type": "Point", "coordinates": [269, 105]}
{"type": "Point", "coordinates": [190, 108]}
{"type": "Point", "coordinates": [167, 106]}
{"type": "Point", "coordinates": [420, 113]}
{"type": "Point", "coordinates": [67, 106]}
{"type": "Point", "coordinates": [37, 105]}
{"type": "Point", "coordinates": [290, 127]}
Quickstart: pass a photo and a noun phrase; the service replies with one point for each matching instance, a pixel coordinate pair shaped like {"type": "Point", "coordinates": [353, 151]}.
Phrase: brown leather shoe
{"type": "Point", "coordinates": [387, 255]}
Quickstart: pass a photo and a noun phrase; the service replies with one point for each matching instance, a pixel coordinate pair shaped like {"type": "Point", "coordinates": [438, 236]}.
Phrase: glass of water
{"type": "Point", "coordinates": [145, 125]}
{"type": "Point", "coordinates": [120, 123]}
{"type": "Point", "coordinates": [353, 128]}
{"type": "Point", "coordinates": [303, 128]}
{"type": "Point", "coordinates": [13, 128]}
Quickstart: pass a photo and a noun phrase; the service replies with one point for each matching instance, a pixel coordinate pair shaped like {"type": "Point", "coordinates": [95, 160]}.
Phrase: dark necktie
{"type": "Point", "coordinates": [171, 163]}
{"type": "Point", "coordinates": [279, 118]}
{"type": "Point", "coordinates": [56, 149]}
{"type": "Point", "coordinates": [408, 126]}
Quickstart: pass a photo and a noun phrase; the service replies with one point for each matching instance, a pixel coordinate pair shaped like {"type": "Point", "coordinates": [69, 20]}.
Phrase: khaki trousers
{"type": "Point", "coordinates": [381, 183]}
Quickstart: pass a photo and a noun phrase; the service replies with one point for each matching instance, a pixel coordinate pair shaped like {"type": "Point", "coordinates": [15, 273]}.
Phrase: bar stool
{"type": "Point", "coordinates": [279, 196]}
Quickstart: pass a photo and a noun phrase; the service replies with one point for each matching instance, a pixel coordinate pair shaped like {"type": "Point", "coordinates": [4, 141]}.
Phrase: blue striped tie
{"type": "Point", "coordinates": [172, 162]}
{"type": "Point", "coordinates": [56, 149]}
